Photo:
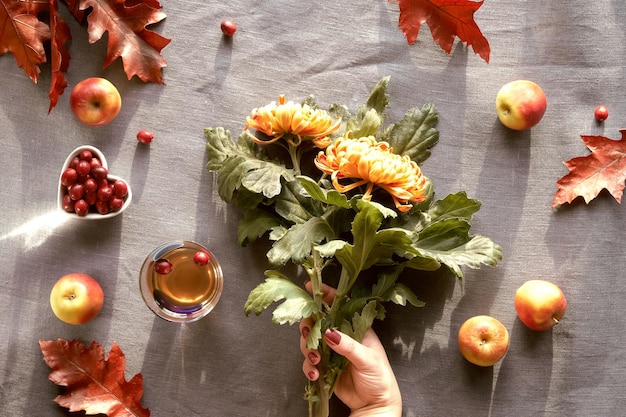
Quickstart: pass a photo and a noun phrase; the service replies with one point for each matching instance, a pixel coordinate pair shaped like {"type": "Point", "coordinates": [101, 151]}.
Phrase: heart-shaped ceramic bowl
{"type": "Point", "coordinates": [91, 215]}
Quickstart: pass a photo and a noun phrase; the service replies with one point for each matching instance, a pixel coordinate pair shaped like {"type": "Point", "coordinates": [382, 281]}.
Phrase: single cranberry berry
{"type": "Point", "coordinates": [85, 155]}
{"type": "Point", "coordinates": [74, 162]}
{"type": "Point", "coordinates": [91, 186]}
{"type": "Point", "coordinates": [91, 198]}
{"type": "Point", "coordinates": [76, 191]}
{"type": "Point", "coordinates": [95, 162]}
{"type": "Point", "coordinates": [116, 203]}
{"type": "Point", "coordinates": [69, 177]}
{"type": "Point", "coordinates": [105, 193]}
{"type": "Point", "coordinates": [68, 203]}
{"type": "Point", "coordinates": [99, 173]}
{"type": "Point", "coordinates": [83, 168]}
{"type": "Point", "coordinates": [81, 208]}
{"type": "Point", "coordinates": [145, 136]}
{"type": "Point", "coordinates": [163, 267]}
{"type": "Point", "coordinates": [228, 27]}
{"type": "Point", "coordinates": [120, 188]}
{"type": "Point", "coordinates": [102, 207]}
{"type": "Point", "coordinates": [601, 113]}
{"type": "Point", "coordinates": [201, 258]}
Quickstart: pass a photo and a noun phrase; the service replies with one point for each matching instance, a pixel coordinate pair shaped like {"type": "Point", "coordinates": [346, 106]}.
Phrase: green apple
{"type": "Point", "coordinates": [540, 304]}
{"type": "Point", "coordinates": [483, 340]}
{"type": "Point", "coordinates": [76, 298]}
{"type": "Point", "coordinates": [95, 101]}
{"type": "Point", "coordinates": [520, 104]}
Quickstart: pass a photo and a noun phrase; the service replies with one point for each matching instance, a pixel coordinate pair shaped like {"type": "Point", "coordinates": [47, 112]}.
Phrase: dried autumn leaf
{"type": "Point", "coordinates": [446, 19]}
{"type": "Point", "coordinates": [128, 38]}
{"type": "Point", "coordinates": [59, 55]}
{"type": "Point", "coordinates": [23, 34]}
{"type": "Point", "coordinates": [94, 384]}
{"type": "Point", "coordinates": [603, 168]}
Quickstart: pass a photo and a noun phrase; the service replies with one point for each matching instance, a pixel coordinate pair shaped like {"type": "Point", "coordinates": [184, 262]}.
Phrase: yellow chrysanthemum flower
{"type": "Point", "coordinates": [370, 162]}
{"type": "Point", "coordinates": [293, 121]}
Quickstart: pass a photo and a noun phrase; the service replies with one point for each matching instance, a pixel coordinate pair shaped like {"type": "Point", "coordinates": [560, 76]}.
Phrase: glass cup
{"type": "Point", "coordinates": [181, 281]}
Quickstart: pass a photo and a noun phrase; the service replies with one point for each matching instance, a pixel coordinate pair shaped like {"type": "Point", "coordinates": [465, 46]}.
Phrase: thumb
{"type": "Point", "coordinates": [355, 352]}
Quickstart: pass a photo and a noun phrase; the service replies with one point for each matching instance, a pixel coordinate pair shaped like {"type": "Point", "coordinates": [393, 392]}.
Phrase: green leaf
{"type": "Point", "coordinates": [332, 197]}
{"type": "Point", "coordinates": [387, 289]}
{"type": "Point", "coordinates": [448, 241]}
{"type": "Point", "coordinates": [293, 204]}
{"type": "Point", "coordinates": [299, 241]}
{"type": "Point", "coordinates": [219, 147]}
{"type": "Point", "coordinates": [255, 224]}
{"type": "Point", "coordinates": [452, 206]}
{"type": "Point", "coordinates": [298, 303]}
{"type": "Point", "coordinates": [415, 134]}
{"type": "Point", "coordinates": [370, 116]}
{"type": "Point", "coordinates": [360, 322]}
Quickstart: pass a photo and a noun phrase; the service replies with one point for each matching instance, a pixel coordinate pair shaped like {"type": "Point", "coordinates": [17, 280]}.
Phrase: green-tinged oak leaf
{"type": "Point", "coordinates": [448, 241]}
{"type": "Point", "coordinates": [415, 134]}
{"type": "Point", "coordinates": [297, 304]}
{"type": "Point", "coordinates": [298, 242]}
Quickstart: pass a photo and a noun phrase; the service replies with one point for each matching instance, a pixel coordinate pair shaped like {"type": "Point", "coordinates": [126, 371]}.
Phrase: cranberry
{"type": "Point", "coordinates": [201, 258]}
{"type": "Point", "coordinates": [91, 186]}
{"type": "Point", "coordinates": [228, 27]}
{"type": "Point", "coordinates": [85, 155]}
{"type": "Point", "coordinates": [116, 203]}
{"type": "Point", "coordinates": [95, 162]}
{"type": "Point", "coordinates": [120, 188]}
{"type": "Point", "coordinates": [74, 162]}
{"type": "Point", "coordinates": [81, 207]}
{"type": "Point", "coordinates": [105, 193]}
{"type": "Point", "coordinates": [68, 204]}
{"type": "Point", "coordinates": [91, 198]}
{"type": "Point", "coordinates": [99, 173]}
{"type": "Point", "coordinates": [69, 177]}
{"type": "Point", "coordinates": [102, 207]}
{"type": "Point", "coordinates": [601, 113]}
{"type": "Point", "coordinates": [162, 266]}
{"type": "Point", "coordinates": [83, 168]}
{"type": "Point", "coordinates": [76, 191]}
{"type": "Point", "coordinates": [145, 136]}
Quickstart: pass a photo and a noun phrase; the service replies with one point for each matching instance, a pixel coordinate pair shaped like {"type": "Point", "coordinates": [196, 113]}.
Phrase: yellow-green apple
{"type": "Point", "coordinates": [540, 304]}
{"type": "Point", "coordinates": [76, 298]}
{"type": "Point", "coordinates": [520, 104]}
{"type": "Point", "coordinates": [95, 101]}
{"type": "Point", "coordinates": [483, 340]}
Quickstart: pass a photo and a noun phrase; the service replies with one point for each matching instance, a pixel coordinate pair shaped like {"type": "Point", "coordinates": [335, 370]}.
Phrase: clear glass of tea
{"type": "Point", "coordinates": [181, 281]}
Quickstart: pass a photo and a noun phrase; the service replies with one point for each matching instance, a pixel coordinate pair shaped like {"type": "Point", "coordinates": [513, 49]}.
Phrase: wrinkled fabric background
{"type": "Point", "coordinates": [231, 365]}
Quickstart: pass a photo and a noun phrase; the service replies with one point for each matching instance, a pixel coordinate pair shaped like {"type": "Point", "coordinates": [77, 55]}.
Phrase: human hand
{"type": "Point", "coordinates": [368, 385]}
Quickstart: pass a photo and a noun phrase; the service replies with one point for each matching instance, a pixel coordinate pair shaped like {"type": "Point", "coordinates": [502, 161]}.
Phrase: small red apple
{"type": "Point", "coordinates": [95, 101]}
{"type": "Point", "coordinates": [520, 104]}
{"type": "Point", "coordinates": [483, 340]}
{"type": "Point", "coordinates": [540, 304]}
{"type": "Point", "coordinates": [76, 298]}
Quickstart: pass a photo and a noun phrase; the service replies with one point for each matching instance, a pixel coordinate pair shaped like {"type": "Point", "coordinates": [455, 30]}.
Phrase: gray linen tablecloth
{"type": "Point", "coordinates": [231, 365]}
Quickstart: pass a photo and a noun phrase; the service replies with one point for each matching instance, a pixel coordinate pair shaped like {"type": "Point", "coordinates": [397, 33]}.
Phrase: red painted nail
{"type": "Point", "coordinates": [332, 337]}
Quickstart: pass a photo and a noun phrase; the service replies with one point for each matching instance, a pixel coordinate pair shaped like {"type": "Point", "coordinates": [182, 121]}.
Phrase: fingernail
{"type": "Point", "coordinates": [312, 375]}
{"type": "Point", "coordinates": [332, 337]}
{"type": "Point", "coordinates": [313, 358]}
{"type": "Point", "coordinates": [305, 332]}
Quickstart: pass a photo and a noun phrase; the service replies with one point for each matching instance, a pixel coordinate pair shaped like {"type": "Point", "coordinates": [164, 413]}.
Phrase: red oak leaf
{"type": "Point", "coordinates": [94, 384]}
{"type": "Point", "coordinates": [23, 34]}
{"type": "Point", "coordinates": [128, 38]}
{"type": "Point", "coordinates": [59, 55]}
{"type": "Point", "coordinates": [603, 168]}
{"type": "Point", "coordinates": [446, 19]}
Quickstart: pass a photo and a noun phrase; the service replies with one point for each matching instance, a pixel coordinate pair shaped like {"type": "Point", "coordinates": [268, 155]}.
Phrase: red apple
{"type": "Point", "coordinates": [520, 104]}
{"type": "Point", "coordinates": [95, 101]}
{"type": "Point", "coordinates": [540, 305]}
{"type": "Point", "coordinates": [76, 298]}
{"type": "Point", "coordinates": [483, 340]}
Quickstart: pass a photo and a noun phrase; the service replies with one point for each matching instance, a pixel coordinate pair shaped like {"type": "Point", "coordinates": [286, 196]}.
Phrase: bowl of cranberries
{"type": "Point", "coordinates": [87, 189]}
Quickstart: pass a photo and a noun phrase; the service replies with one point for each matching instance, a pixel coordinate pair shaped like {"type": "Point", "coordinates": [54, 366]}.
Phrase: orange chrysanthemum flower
{"type": "Point", "coordinates": [295, 122]}
{"type": "Point", "coordinates": [367, 161]}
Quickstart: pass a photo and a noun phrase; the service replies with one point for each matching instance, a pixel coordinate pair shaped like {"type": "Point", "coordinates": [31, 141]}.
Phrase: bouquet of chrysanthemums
{"type": "Point", "coordinates": [343, 197]}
